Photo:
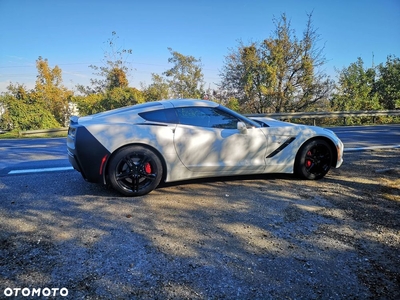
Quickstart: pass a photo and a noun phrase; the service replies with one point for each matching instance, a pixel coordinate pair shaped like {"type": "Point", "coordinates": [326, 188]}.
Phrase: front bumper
{"type": "Point", "coordinates": [340, 149]}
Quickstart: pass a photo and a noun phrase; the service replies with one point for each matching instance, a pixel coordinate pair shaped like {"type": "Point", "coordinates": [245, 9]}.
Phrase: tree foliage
{"type": "Point", "coordinates": [281, 73]}
{"type": "Point", "coordinates": [110, 89]}
{"type": "Point", "coordinates": [355, 89]}
{"type": "Point", "coordinates": [88, 104]}
{"type": "Point", "coordinates": [388, 83]}
{"type": "Point", "coordinates": [158, 89]}
{"type": "Point", "coordinates": [45, 106]}
{"type": "Point", "coordinates": [50, 92]}
{"type": "Point", "coordinates": [23, 111]}
{"type": "Point", "coordinates": [119, 97]}
{"type": "Point", "coordinates": [114, 98]}
{"type": "Point", "coordinates": [113, 73]}
{"type": "Point", "coordinates": [374, 88]}
{"type": "Point", "coordinates": [233, 104]}
{"type": "Point", "coordinates": [185, 78]}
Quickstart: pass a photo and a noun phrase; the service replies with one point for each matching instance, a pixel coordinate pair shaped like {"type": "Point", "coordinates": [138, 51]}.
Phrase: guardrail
{"type": "Point", "coordinates": [332, 114]}
{"type": "Point", "coordinates": [48, 132]}
{"type": "Point", "coordinates": [278, 116]}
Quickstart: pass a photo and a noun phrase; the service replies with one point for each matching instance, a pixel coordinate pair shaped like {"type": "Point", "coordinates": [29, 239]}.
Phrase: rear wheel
{"type": "Point", "coordinates": [135, 171]}
{"type": "Point", "coordinates": [314, 159]}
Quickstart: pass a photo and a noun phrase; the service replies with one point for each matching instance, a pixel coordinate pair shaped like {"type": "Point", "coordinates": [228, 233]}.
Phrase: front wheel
{"type": "Point", "coordinates": [135, 171]}
{"type": "Point", "coordinates": [313, 160]}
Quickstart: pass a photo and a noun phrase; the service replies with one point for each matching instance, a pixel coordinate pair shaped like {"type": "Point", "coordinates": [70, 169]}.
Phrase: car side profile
{"type": "Point", "coordinates": [134, 148]}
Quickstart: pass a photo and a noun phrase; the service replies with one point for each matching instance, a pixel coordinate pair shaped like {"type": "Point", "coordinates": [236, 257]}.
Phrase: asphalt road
{"type": "Point", "coordinates": [24, 154]}
{"type": "Point", "coordinates": [256, 237]}
{"type": "Point", "coordinates": [368, 136]}
{"type": "Point", "coordinates": [253, 237]}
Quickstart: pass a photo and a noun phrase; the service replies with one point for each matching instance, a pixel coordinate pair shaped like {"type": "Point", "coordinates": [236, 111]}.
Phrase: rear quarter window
{"type": "Point", "coordinates": [161, 116]}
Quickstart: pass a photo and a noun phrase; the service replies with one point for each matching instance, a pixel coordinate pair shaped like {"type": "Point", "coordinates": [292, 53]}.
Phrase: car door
{"type": "Point", "coordinates": [207, 140]}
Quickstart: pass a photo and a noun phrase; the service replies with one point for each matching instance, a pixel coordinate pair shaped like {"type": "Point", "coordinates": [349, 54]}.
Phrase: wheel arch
{"type": "Point", "coordinates": [155, 150]}
{"type": "Point", "coordinates": [326, 139]}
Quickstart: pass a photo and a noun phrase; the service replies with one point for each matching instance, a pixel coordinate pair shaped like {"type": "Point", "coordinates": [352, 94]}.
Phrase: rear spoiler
{"type": "Point", "coordinates": [74, 119]}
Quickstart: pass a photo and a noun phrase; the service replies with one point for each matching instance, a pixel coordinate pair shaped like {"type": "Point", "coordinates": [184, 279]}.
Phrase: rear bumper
{"type": "Point", "coordinates": [87, 155]}
{"type": "Point", "coordinates": [73, 161]}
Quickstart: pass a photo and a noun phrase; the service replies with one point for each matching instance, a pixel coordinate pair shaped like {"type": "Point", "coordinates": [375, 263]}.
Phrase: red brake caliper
{"type": "Point", "coordinates": [147, 168]}
{"type": "Point", "coordinates": [308, 161]}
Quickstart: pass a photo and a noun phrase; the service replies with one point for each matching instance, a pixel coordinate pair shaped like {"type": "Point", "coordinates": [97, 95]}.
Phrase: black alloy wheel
{"type": "Point", "coordinates": [314, 159]}
{"type": "Point", "coordinates": [135, 171]}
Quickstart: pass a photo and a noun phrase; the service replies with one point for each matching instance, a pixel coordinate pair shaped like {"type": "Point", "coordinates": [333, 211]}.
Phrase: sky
{"type": "Point", "coordinates": [73, 34]}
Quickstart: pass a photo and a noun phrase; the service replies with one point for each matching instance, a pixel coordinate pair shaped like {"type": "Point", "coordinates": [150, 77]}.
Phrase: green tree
{"type": "Point", "coordinates": [88, 104]}
{"type": "Point", "coordinates": [113, 71]}
{"type": "Point", "coordinates": [186, 77]}
{"type": "Point", "coordinates": [281, 73]}
{"type": "Point", "coordinates": [116, 79]}
{"type": "Point", "coordinates": [110, 89]}
{"type": "Point", "coordinates": [233, 104]}
{"type": "Point", "coordinates": [50, 92]}
{"type": "Point", "coordinates": [388, 84]}
{"type": "Point", "coordinates": [21, 111]}
{"type": "Point", "coordinates": [248, 78]}
{"type": "Point", "coordinates": [157, 90]}
{"type": "Point", "coordinates": [114, 98]}
{"type": "Point", "coordinates": [354, 90]}
{"type": "Point", "coordinates": [119, 97]}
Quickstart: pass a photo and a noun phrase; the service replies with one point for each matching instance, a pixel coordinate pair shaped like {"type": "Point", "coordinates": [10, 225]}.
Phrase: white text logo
{"type": "Point", "coordinates": [28, 292]}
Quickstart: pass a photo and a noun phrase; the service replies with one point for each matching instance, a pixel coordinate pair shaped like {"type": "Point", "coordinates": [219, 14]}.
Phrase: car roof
{"type": "Point", "coordinates": [149, 106]}
{"type": "Point", "coordinates": [190, 102]}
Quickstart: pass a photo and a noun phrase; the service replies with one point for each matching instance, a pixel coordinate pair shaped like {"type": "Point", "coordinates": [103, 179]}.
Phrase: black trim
{"type": "Point", "coordinates": [281, 147]}
{"type": "Point", "coordinates": [152, 124]}
{"type": "Point", "coordinates": [87, 155]}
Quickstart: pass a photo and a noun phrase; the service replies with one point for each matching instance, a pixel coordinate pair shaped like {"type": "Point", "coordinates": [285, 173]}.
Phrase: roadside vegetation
{"type": "Point", "coordinates": [282, 73]}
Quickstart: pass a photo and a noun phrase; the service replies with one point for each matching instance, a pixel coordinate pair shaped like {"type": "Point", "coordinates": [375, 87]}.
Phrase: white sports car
{"type": "Point", "coordinates": [135, 148]}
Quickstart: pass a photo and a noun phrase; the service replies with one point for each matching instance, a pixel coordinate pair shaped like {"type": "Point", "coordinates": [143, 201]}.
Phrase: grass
{"type": "Point", "coordinates": [9, 135]}
{"type": "Point", "coordinates": [391, 189]}
{"type": "Point", "coordinates": [15, 134]}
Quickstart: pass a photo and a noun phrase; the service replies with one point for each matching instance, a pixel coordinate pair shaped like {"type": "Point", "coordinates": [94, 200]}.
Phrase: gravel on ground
{"type": "Point", "coordinates": [250, 237]}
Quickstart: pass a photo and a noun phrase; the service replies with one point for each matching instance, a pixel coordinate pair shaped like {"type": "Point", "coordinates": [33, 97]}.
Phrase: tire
{"type": "Point", "coordinates": [313, 160]}
{"type": "Point", "coordinates": [135, 171]}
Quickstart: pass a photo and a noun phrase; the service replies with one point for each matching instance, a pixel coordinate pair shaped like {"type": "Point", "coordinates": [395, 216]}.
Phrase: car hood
{"type": "Point", "coordinates": [290, 128]}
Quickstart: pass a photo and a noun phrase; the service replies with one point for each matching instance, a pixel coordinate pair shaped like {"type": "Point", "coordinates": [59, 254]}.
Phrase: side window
{"type": "Point", "coordinates": [224, 120]}
{"type": "Point", "coordinates": [206, 117]}
{"type": "Point", "coordinates": [162, 116]}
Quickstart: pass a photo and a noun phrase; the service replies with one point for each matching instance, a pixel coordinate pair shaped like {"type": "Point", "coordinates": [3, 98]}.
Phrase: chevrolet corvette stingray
{"type": "Point", "coordinates": [134, 148]}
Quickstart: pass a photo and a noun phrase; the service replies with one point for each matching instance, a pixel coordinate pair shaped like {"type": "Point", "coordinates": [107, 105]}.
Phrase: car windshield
{"type": "Point", "coordinates": [240, 117]}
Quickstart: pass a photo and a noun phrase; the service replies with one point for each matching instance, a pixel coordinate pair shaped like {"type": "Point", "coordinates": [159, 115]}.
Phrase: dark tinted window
{"type": "Point", "coordinates": [249, 123]}
{"type": "Point", "coordinates": [261, 123]}
{"type": "Point", "coordinates": [162, 116]}
{"type": "Point", "coordinates": [206, 117]}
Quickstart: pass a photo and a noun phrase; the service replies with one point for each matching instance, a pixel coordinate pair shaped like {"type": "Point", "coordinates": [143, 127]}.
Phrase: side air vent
{"type": "Point", "coordinates": [281, 147]}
